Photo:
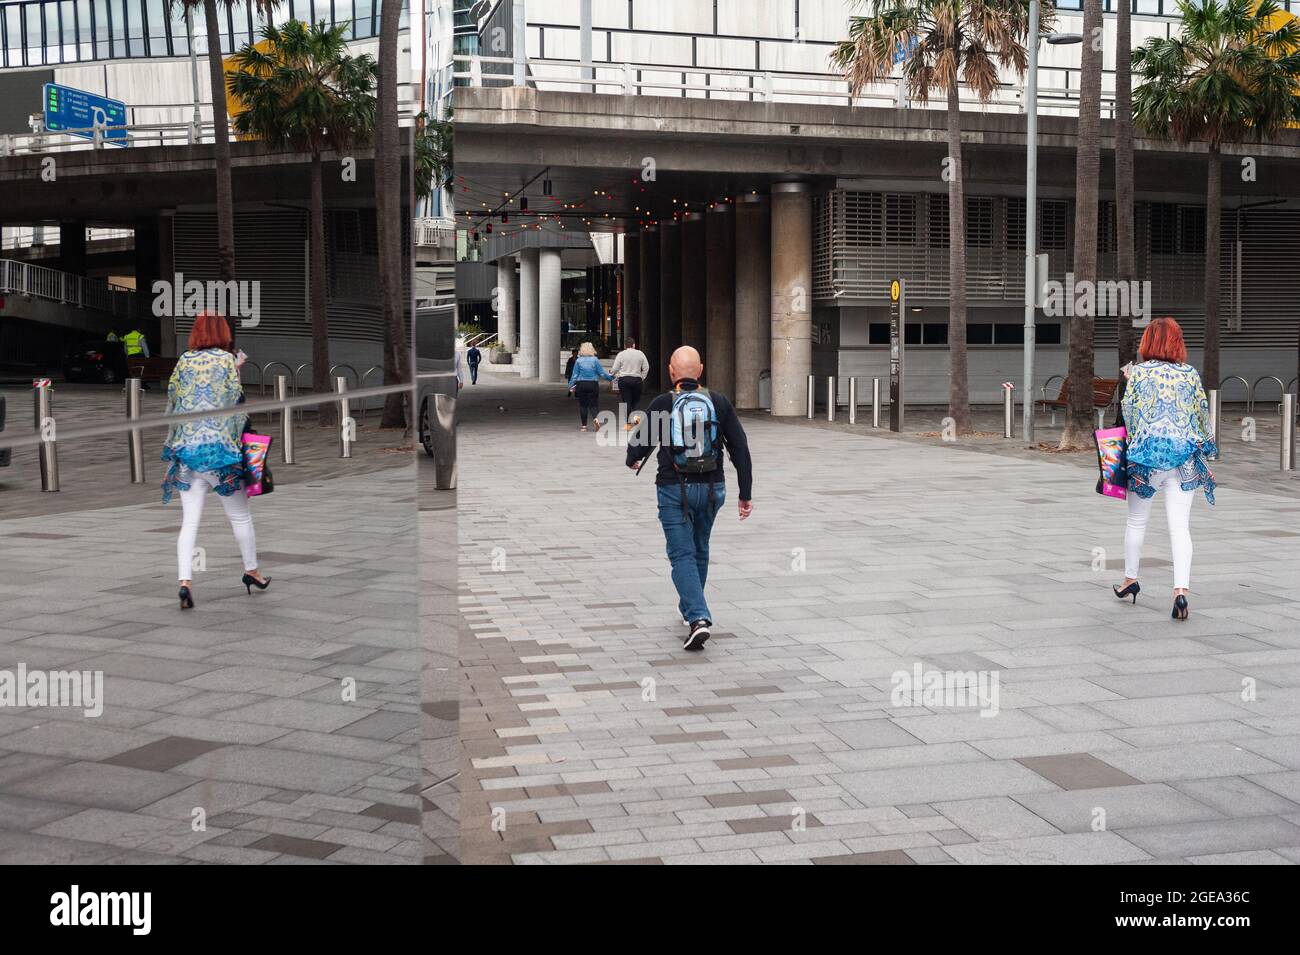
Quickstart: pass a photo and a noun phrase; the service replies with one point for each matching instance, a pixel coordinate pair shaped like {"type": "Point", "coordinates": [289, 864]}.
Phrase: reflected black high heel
{"type": "Point", "coordinates": [1133, 588]}
{"type": "Point", "coordinates": [249, 582]}
{"type": "Point", "coordinates": [187, 599]}
{"type": "Point", "coordinates": [1180, 607]}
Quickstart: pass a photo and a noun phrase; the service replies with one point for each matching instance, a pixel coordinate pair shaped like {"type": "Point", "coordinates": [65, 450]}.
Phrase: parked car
{"type": "Point", "coordinates": [99, 361]}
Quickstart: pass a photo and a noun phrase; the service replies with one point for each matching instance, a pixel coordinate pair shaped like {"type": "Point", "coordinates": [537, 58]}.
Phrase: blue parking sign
{"type": "Point", "coordinates": [72, 109]}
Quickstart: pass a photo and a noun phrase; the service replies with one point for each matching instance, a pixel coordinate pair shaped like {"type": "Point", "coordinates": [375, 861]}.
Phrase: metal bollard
{"type": "Point", "coordinates": [1288, 432]}
{"type": "Point", "coordinates": [830, 398]}
{"type": "Point", "coordinates": [812, 395]}
{"type": "Point", "coordinates": [347, 427]}
{"type": "Point", "coordinates": [286, 420]}
{"type": "Point", "coordinates": [1008, 409]}
{"type": "Point", "coordinates": [134, 441]}
{"type": "Point", "coordinates": [853, 400]}
{"type": "Point", "coordinates": [44, 414]}
{"type": "Point", "coordinates": [875, 402]}
{"type": "Point", "coordinates": [1213, 396]}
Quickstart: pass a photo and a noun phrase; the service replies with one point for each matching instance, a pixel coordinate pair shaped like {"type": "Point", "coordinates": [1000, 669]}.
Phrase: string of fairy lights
{"type": "Point", "coordinates": [487, 211]}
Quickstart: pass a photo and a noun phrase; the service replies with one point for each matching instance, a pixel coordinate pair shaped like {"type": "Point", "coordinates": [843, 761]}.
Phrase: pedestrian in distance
{"type": "Point", "coordinates": [584, 381]}
{"type": "Point", "coordinates": [629, 370]}
{"type": "Point", "coordinates": [1169, 440]}
{"type": "Point", "coordinates": [691, 427]}
{"type": "Point", "coordinates": [472, 358]}
{"type": "Point", "coordinates": [568, 365]}
{"type": "Point", "coordinates": [207, 453]}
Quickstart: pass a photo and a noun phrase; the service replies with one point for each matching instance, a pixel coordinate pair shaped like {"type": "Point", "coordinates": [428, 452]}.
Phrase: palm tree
{"type": "Point", "coordinates": [1078, 428]}
{"type": "Point", "coordinates": [1125, 252]}
{"type": "Point", "coordinates": [388, 210]}
{"type": "Point", "coordinates": [221, 122]}
{"type": "Point", "coordinates": [943, 44]}
{"type": "Point", "coordinates": [1232, 72]}
{"type": "Point", "coordinates": [307, 93]}
{"type": "Point", "coordinates": [434, 143]}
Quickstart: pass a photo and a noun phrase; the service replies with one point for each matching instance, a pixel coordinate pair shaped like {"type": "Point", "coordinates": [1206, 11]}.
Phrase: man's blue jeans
{"type": "Point", "coordinates": [687, 536]}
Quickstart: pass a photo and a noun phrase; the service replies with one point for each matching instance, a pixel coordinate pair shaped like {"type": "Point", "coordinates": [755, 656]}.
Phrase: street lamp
{"type": "Point", "coordinates": [1031, 208]}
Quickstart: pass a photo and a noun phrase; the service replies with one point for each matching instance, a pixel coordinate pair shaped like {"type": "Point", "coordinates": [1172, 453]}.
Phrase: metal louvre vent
{"type": "Point", "coordinates": [866, 239]}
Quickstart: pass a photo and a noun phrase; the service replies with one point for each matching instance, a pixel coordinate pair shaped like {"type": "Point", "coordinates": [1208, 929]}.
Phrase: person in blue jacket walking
{"type": "Point", "coordinates": [584, 381]}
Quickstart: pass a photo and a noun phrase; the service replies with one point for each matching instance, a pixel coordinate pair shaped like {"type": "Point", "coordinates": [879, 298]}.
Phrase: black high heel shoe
{"type": "Point", "coordinates": [187, 599]}
{"type": "Point", "coordinates": [1180, 607]}
{"type": "Point", "coordinates": [249, 582]}
{"type": "Point", "coordinates": [1133, 588]}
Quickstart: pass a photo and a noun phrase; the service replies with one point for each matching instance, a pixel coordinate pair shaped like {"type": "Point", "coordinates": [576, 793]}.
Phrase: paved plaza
{"type": "Point", "coordinates": [1119, 736]}
{"type": "Point", "coordinates": [241, 707]}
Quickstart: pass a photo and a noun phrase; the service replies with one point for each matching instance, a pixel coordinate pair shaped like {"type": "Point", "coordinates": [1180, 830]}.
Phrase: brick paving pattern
{"type": "Point", "coordinates": [1120, 736]}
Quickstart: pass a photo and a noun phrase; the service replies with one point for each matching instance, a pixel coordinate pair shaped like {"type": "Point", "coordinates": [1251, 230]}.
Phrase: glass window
{"type": "Point", "coordinates": [980, 333]}
{"type": "Point", "coordinates": [1008, 333]}
{"type": "Point", "coordinates": [156, 11]}
{"type": "Point", "coordinates": [85, 30]}
{"type": "Point", "coordinates": [934, 333]}
{"type": "Point", "coordinates": [878, 333]}
{"type": "Point", "coordinates": [365, 14]}
{"type": "Point", "coordinates": [53, 48]}
{"type": "Point", "coordinates": [35, 45]}
{"type": "Point", "coordinates": [911, 334]}
{"type": "Point", "coordinates": [1049, 334]}
{"type": "Point", "coordinates": [13, 27]}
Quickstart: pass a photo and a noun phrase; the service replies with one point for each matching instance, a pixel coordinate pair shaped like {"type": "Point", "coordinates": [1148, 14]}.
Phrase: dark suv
{"type": "Point", "coordinates": [101, 361]}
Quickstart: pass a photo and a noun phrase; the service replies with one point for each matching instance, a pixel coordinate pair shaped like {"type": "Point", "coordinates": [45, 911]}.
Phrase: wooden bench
{"type": "Point", "coordinates": [1103, 395]}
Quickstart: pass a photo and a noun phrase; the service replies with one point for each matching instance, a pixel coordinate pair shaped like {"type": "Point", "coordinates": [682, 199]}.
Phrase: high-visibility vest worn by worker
{"type": "Point", "coordinates": [134, 342]}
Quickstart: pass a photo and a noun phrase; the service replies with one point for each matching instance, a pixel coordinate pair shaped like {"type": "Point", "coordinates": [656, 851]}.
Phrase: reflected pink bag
{"type": "Point", "coordinates": [257, 449]}
{"type": "Point", "coordinates": [1112, 461]}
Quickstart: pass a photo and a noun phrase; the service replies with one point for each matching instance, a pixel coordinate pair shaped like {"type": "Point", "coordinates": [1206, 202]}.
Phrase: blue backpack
{"type": "Point", "coordinates": [693, 432]}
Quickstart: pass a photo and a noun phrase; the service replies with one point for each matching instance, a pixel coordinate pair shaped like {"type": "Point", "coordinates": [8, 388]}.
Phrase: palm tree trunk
{"type": "Point", "coordinates": [1126, 257]}
{"type": "Point", "coordinates": [1079, 421]}
{"type": "Point", "coordinates": [388, 192]}
{"type": "Point", "coordinates": [958, 380]}
{"type": "Point", "coordinates": [320, 341]}
{"type": "Point", "coordinates": [221, 138]}
{"type": "Point", "coordinates": [1213, 219]}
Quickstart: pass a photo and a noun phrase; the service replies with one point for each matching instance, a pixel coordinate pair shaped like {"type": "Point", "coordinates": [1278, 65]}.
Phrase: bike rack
{"type": "Point", "coordinates": [305, 364]}
{"type": "Point", "coordinates": [356, 379]}
{"type": "Point", "coordinates": [266, 371]}
{"type": "Point", "coordinates": [364, 375]}
{"type": "Point", "coordinates": [1250, 401]}
{"type": "Point", "coordinates": [1245, 384]}
{"type": "Point", "coordinates": [1043, 391]}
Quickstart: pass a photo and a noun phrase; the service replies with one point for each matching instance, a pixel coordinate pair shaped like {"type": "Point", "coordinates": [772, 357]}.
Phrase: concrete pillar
{"type": "Point", "coordinates": [720, 299]}
{"type": "Point", "coordinates": [753, 296]}
{"type": "Point", "coordinates": [528, 268]}
{"type": "Point", "coordinates": [147, 262]}
{"type": "Point", "coordinates": [648, 305]}
{"type": "Point", "coordinates": [693, 278]}
{"type": "Point", "coordinates": [670, 294]}
{"type": "Point", "coordinates": [791, 296]}
{"type": "Point", "coordinates": [548, 316]}
{"type": "Point", "coordinates": [72, 247]}
{"type": "Point", "coordinates": [631, 285]}
{"type": "Point", "coordinates": [507, 307]}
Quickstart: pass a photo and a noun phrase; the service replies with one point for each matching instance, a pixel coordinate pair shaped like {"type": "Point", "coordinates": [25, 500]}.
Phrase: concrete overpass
{"type": "Point", "coordinates": [644, 165]}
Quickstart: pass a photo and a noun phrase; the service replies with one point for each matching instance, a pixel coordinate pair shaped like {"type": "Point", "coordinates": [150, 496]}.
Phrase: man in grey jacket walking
{"type": "Point", "coordinates": [629, 370]}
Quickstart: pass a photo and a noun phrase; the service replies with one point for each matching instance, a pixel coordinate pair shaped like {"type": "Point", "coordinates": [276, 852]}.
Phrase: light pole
{"type": "Point", "coordinates": [194, 68]}
{"type": "Point", "coordinates": [1031, 209]}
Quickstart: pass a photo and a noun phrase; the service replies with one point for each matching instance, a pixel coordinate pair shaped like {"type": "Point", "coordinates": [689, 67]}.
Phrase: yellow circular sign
{"type": "Point", "coordinates": [893, 291]}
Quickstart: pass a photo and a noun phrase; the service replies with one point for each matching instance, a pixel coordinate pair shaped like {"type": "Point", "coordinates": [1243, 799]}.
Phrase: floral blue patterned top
{"type": "Point", "coordinates": [1168, 421]}
{"type": "Point", "coordinates": [205, 380]}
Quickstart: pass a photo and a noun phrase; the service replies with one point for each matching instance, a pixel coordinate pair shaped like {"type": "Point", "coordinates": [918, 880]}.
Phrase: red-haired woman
{"type": "Point", "coordinates": [1168, 421]}
{"type": "Point", "coordinates": [206, 452]}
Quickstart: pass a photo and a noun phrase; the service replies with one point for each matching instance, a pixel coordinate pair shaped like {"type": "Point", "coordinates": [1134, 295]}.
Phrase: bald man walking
{"type": "Point", "coordinates": [691, 426]}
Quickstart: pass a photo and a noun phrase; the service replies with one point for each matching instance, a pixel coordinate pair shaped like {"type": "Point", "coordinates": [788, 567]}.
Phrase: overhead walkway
{"type": "Point", "coordinates": [39, 294]}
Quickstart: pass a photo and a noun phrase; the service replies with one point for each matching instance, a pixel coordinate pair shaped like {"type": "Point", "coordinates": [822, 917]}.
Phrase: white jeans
{"type": "Point", "coordinates": [236, 506]}
{"type": "Point", "coordinates": [1178, 510]}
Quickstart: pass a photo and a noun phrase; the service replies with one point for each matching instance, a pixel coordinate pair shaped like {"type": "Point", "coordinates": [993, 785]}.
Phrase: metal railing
{"type": "Point", "coordinates": [434, 232]}
{"type": "Point", "coordinates": [760, 86]}
{"type": "Point", "coordinates": [37, 281]}
{"type": "Point", "coordinates": [175, 133]}
{"type": "Point", "coordinates": [46, 434]}
{"type": "Point", "coordinates": [24, 237]}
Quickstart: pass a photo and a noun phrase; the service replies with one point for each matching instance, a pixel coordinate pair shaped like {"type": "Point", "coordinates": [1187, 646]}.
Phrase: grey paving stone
{"type": "Point", "coordinates": [1214, 836]}
{"type": "Point", "coordinates": [1124, 807]}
